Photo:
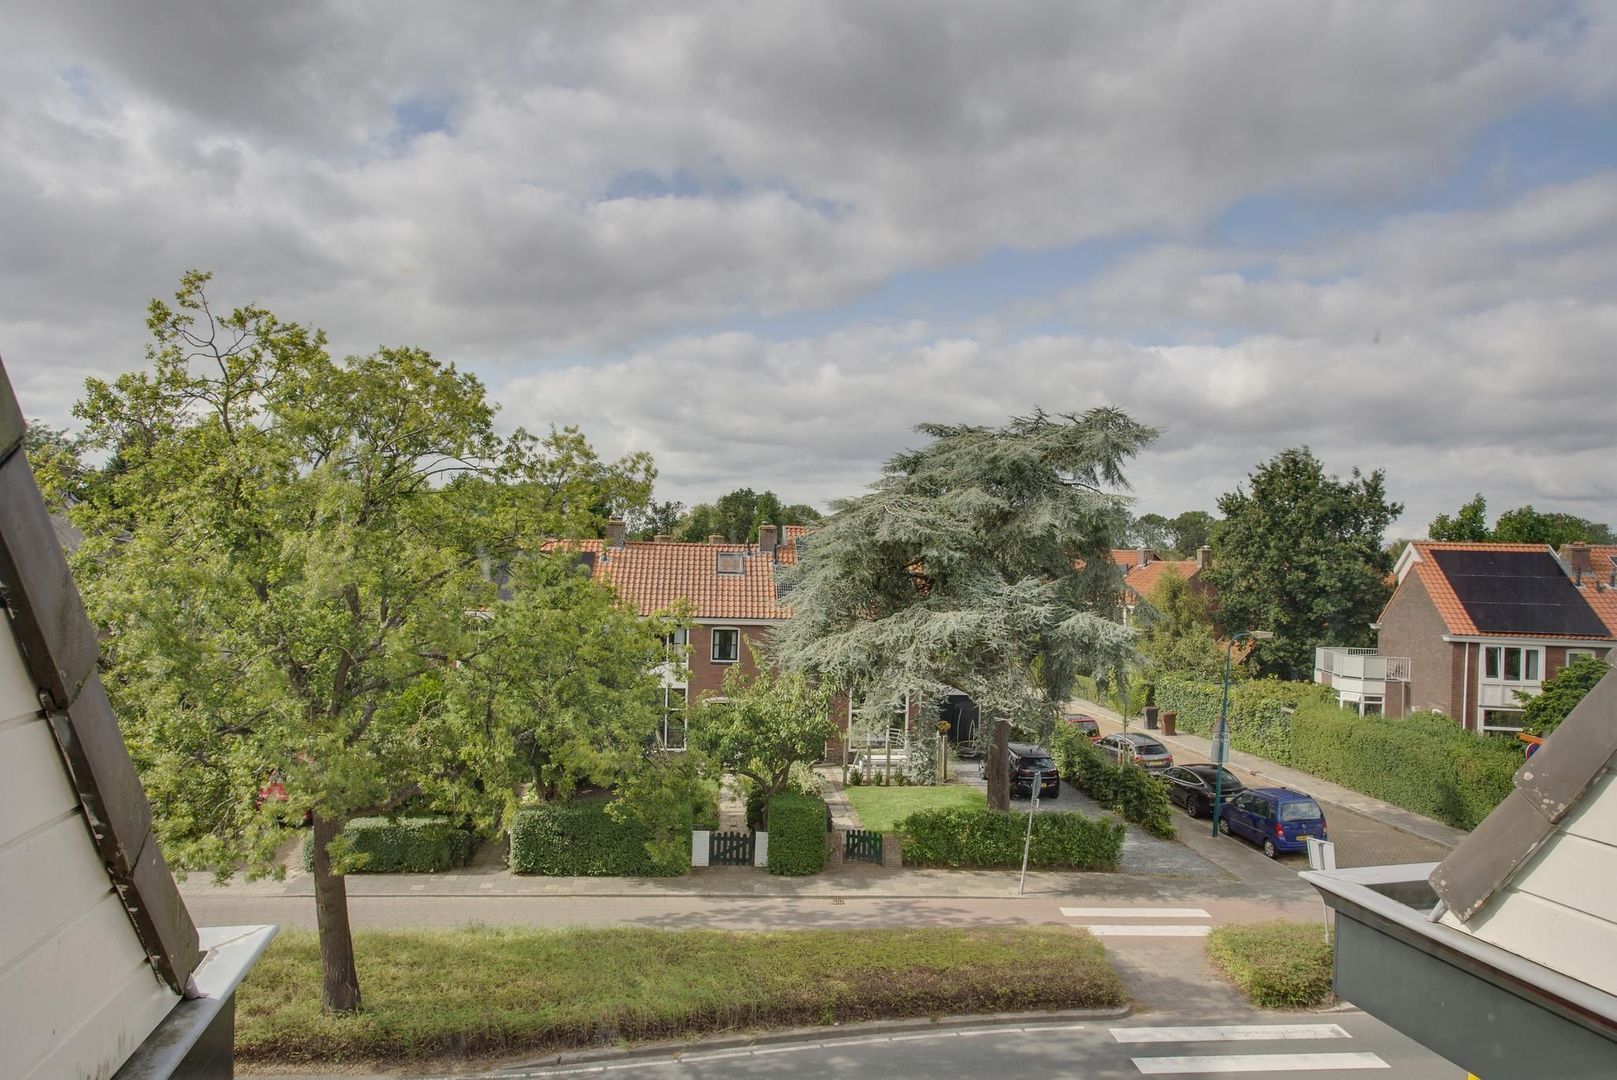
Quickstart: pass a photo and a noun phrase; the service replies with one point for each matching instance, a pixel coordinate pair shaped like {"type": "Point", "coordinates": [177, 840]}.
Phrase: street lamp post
{"type": "Point", "coordinates": [1221, 735]}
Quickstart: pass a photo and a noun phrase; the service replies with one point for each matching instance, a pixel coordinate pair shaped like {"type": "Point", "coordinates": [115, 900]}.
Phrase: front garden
{"type": "Point", "coordinates": [432, 996]}
{"type": "Point", "coordinates": [880, 809]}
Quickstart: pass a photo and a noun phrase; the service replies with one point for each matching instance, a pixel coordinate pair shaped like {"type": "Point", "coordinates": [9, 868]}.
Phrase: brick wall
{"type": "Point", "coordinates": [708, 677]}
{"type": "Point", "coordinates": [1411, 626]}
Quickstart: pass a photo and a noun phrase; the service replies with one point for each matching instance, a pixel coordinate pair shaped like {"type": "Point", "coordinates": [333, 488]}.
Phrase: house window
{"type": "Point", "coordinates": [726, 644]}
{"type": "Point", "coordinates": [672, 730]}
{"type": "Point", "coordinates": [1501, 721]}
{"type": "Point", "coordinates": [1512, 663]}
{"type": "Point", "coordinates": [729, 562]}
{"type": "Point", "coordinates": [1574, 655]}
{"type": "Point", "coordinates": [677, 640]}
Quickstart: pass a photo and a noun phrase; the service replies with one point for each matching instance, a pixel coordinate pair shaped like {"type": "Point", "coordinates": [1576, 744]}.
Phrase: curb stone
{"type": "Point", "coordinates": [823, 1033]}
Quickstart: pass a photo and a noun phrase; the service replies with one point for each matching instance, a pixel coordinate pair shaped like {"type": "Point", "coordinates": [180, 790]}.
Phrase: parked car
{"type": "Point", "coordinates": [1276, 819]}
{"type": "Point", "coordinates": [1138, 748]}
{"type": "Point", "coordinates": [1196, 786]}
{"type": "Point", "coordinates": [1023, 760]}
{"type": "Point", "coordinates": [1084, 723]}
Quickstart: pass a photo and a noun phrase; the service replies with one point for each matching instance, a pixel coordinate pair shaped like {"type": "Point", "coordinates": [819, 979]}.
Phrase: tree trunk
{"type": "Point", "coordinates": [339, 990]}
{"type": "Point", "coordinates": [999, 756]}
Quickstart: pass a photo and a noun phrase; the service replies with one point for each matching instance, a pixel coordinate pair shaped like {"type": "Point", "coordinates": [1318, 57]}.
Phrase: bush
{"type": "Point", "coordinates": [1259, 716]}
{"type": "Point", "coordinates": [992, 839]}
{"type": "Point", "coordinates": [797, 830]}
{"type": "Point", "coordinates": [406, 845]}
{"type": "Point", "coordinates": [1423, 762]}
{"type": "Point", "coordinates": [582, 839]}
{"type": "Point", "coordinates": [853, 778]}
{"type": "Point", "coordinates": [1131, 792]}
{"type": "Point", "coordinates": [1278, 965]}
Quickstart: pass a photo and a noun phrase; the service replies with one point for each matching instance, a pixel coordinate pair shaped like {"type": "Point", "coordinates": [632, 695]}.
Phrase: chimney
{"type": "Point", "coordinates": [616, 532]}
{"type": "Point", "coordinates": [662, 538]}
{"type": "Point", "coordinates": [1577, 559]}
{"type": "Point", "coordinates": [1204, 557]}
{"type": "Point", "coordinates": [767, 539]}
{"type": "Point", "coordinates": [715, 538]}
{"type": "Point", "coordinates": [1144, 554]}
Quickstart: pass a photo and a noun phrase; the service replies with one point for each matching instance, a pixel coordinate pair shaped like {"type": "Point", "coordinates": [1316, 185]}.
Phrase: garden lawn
{"type": "Point", "coordinates": [880, 808]}
{"type": "Point", "coordinates": [1278, 965]}
{"type": "Point", "coordinates": [441, 994]}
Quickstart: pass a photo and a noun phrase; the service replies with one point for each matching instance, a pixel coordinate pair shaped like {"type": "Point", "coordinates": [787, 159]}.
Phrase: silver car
{"type": "Point", "coordinates": [1137, 748]}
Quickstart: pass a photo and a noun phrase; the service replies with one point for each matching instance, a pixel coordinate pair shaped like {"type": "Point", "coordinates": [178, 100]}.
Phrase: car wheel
{"type": "Point", "coordinates": [1192, 810]}
{"type": "Point", "coordinates": [1269, 848]}
{"type": "Point", "coordinates": [1224, 825]}
{"type": "Point", "coordinates": [1056, 794]}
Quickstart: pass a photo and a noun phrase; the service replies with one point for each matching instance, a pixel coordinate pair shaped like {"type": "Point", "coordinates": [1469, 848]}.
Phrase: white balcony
{"type": "Point", "coordinates": [1493, 694]}
{"type": "Point", "coordinates": [1358, 673]}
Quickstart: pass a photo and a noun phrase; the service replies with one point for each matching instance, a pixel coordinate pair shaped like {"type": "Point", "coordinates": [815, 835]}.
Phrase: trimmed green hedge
{"type": "Point", "coordinates": [580, 839]}
{"type": "Point", "coordinates": [992, 839]}
{"type": "Point", "coordinates": [1131, 792]}
{"type": "Point", "coordinates": [1424, 762]}
{"type": "Point", "coordinates": [409, 845]}
{"type": "Point", "coordinates": [1260, 722]}
{"type": "Point", "coordinates": [1278, 965]}
{"type": "Point", "coordinates": [796, 834]}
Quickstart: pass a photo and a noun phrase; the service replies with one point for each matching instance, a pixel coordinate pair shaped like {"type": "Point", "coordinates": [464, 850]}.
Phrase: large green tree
{"type": "Point", "coordinates": [1191, 530]}
{"type": "Point", "coordinates": [978, 562]}
{"type": "Point", "coordinates": [1178, 635]}
{"type": "Point", "coordinates": [291, 589]}
{"type": "Point", "coordinates": [736, 516]}
{"type": "Point", "coordinates": [1542, 713]}
{"type": "Point", "coordinates": [1300, 554]}
{"type": "Point", "coordinates": [1523, 525]}
{"type": "Point", "coordinates": [1468, 525]}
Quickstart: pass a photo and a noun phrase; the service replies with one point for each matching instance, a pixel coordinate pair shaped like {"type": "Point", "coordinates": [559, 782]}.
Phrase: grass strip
{"type": "Point", "coordinates": [436, 994]}
{"type": "Point", "coordinates": [1277, 965]}
{"type": "Point", "coordinates": [880, 808]}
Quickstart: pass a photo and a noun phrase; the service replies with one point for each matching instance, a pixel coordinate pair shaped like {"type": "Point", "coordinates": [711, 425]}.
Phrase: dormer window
{"type": "Point", "coordinates": [729, 562]}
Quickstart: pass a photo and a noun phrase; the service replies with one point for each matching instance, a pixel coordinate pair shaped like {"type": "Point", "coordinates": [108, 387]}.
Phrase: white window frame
{"type": "Point", "coordinates": [1574, 655]}
{"type": "Point", "coordinates": [713, 644]}
{"type": "Point", "coordinates": [1501, 652]}
{"type": "Point", "coordinates": [669, 693]}
{"type": "Point", "coordinates": [1485, 728]}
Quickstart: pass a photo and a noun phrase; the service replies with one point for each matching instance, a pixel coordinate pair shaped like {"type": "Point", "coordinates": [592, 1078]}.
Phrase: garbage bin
{"type": "Point", "coordinates": [1169, 719]}
{"type": "Point", "coordinates": [1151, 717]}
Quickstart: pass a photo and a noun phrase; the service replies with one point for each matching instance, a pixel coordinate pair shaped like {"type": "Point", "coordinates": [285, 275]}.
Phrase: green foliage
{"type": "Point", "coordinates": [993, 839]}
{"type": "Point", "coordinates": [411, 845]}
{"type": "Point", "coordinates": [766, 723]}
{"type": "Point", "coordinates": [880, 811]}
{"type": "Point", "coordinates": [1469, 524]}
{"type": "Point", "coordinates": [582, 839]}
{"type": "Point", "coordinates": [1151, 531]}
{"type": "Point", "coordinates": [56, 457]}
{"type": "Point", "coordinates": [1178, 633]}
{"type": "Point", "coordinates": [1277, 965]}
{"type": "Point", "coordinates": [979, 562]}
{"type": "Point", "coordinates": [1260, 710]}
{"type": "Point", "coordinates": [1423, 762]}
{"type": "Point", "coordinates": [737, 515]}
{"type": "Point", "coordinates": [797, 831]}
{"type": "Point", "coordinates": [1542, 714]}
{"type": "Point", "coordinates": [485, 991]}
{"type": "Point", "coordinates": [1301, 556]}
{"type": "Point", "coordinates": [1129, 791]}
{"type": "Point", "coordinates": [1192, 530]}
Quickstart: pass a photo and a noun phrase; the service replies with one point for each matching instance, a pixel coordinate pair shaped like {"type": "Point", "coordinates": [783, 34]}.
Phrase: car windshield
{"type": "Point", "coordinates": [1150, 749]}
{"type": "Point", "coordinates": [1303, 810]}
{"type": "Point", "coordinates": [1043, 764]}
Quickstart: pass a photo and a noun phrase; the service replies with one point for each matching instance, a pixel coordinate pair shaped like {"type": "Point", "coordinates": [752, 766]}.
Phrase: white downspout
{"type": "Point", "coordinates": [1465, 688]}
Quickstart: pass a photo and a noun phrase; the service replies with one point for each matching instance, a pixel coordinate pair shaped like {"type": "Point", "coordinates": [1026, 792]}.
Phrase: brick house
{"type": "Point", "coordinates": [1143, 570]}
{"type": "Point", "coordinates": [1470, 626]}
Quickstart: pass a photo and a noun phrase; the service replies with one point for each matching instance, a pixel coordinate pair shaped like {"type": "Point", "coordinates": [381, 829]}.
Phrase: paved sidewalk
{"type": "Point", "coordinates": [1194, 747]}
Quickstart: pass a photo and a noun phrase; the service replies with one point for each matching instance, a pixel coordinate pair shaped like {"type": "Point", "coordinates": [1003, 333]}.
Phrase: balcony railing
{"type": "Point", "coordinates": [1333, 666]}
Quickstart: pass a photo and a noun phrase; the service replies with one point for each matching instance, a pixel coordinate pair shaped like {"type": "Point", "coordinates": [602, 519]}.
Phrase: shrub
{"type": "Point", "coordinates": [797, 830]}
{"type": "Point", "coordinates": [1423, 762]}
{"type": "Point", "coordinates": [1278, 965]}
{"type": "Point", "coordinates": [854, 779]}
{"type": "Point", "coordinates": [582, 839]}
{"type": "Point", "coordinates": [990, 839]}
{"type": "Point", "coordinates": [406, 845]}
{"type": "Point", "coordinates": [1259, 714]}
{"type": "Point", "coordinates": [1131, 792]}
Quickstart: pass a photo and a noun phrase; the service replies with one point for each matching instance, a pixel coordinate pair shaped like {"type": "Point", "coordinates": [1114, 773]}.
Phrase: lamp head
{"type": "Point", "coordinates": [1261, 635]}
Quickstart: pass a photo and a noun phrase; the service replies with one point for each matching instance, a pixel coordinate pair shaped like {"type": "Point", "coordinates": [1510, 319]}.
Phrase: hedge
{"type": "Point", "coordinates": [1278, 965]}
{"type": "Point", "coordinates": [408, 845]}
{"type": "Point", "coordinates": [580, 839]}
{"type": "Point", "coordinates": [797, 833]}
{"type": "Point", "coordinates": [1131, 792]}
{"type": "Point", "coordinates": [1259, 716]}
{"type": "Point", "coordinates": [992, 839]}
{"type": "Point", "coordinates": [1424, 762]}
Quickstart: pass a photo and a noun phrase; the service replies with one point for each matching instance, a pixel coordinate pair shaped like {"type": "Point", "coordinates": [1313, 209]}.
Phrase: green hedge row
{"type": "Point", "coordinates": [1423, 762]}
{"type": "Point", "coordinates": [1129, 791]}
{"type": "Point", "coordinates": [796, 834]}
{"type": "Point", "coordinates": [992, 839]}
{"type": "Point", "coordinates": [580, 839]}
{"type": "Point", "coordinates": [409, 845]}
{"type": "Point", "coordinates": [1260, 710]}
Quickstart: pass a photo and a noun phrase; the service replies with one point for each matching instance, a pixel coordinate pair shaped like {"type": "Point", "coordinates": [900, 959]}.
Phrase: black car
{"type": "Point", "coordinates": [1193, 787]}
{"type": "Point", "coordinates": [1024, 761]}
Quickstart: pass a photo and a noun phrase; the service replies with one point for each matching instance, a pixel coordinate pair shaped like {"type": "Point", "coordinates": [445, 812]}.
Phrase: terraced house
{"type": "Point", "coordinates": [1472, 626]}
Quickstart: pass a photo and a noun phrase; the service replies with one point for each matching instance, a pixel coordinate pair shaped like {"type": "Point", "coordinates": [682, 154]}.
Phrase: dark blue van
{"type": "Point", "coordinates": [1275, 818]}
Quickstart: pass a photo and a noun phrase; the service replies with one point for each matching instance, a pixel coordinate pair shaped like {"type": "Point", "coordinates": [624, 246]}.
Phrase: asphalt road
{"type": "Point", "coordinates": [1328, 1045]}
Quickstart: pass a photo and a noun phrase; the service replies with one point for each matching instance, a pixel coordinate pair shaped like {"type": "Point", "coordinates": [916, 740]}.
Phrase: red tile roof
{"type": "Point", "coordinates": [1456, 619]}
{"type": "Point", "coordinates": [655, 575]}
{"type": "Point", "coordinates": [1142, 579]}
{"type": "Point", "coordinates": [1600, 585]}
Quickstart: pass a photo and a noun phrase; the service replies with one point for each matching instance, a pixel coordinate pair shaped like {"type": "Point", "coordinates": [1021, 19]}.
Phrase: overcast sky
{"type": "Point", "coordinates": [763, 241]}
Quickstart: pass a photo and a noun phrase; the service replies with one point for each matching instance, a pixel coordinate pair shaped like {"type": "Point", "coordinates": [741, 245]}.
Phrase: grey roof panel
{"type": "Point", "coordinates": [1518, 592]}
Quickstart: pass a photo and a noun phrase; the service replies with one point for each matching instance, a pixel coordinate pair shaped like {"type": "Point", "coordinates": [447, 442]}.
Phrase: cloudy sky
{"type": "Point", "coordinates": [764, 240]}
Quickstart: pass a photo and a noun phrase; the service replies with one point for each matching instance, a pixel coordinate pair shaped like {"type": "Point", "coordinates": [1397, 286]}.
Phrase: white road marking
{"type": "Point", "coordinates": [1228, 1033]}
{"type": "Point", "coordinates": [1146, 930]}
{"type": "Point", "coordinates": [1170, 1066]}
{"type": "Point", "coordinates": [1134, 913]}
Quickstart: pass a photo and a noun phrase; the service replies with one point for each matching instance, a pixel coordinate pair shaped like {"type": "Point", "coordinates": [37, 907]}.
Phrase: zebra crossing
{"type": "Point", "coordinates": [1279, 1060]}
{"type": "Point", "coordinates": [1125, 921]}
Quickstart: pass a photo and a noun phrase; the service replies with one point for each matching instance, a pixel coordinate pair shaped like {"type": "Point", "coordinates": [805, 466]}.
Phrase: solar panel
{"type": "Point", "coordinates": [1518, 592]}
